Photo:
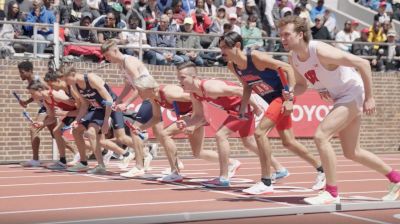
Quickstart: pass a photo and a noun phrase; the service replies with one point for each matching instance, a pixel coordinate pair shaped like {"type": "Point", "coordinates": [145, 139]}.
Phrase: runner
{"type": "Point", "coordinates": [346, 80]}
{"type": "Point", "coordinates": [258, 71]}
{"type": "Point", "coordinates": [226, 96]}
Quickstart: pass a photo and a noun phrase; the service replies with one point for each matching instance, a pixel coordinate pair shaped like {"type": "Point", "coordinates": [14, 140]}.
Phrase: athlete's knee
{"type": "Point", "coordinates": [91, 133]}
{"type": "Point", "coordinates": [350, 154]}
{"type": "Point", "coordinates": [78, 131]}
{"type": "Point", "coordinates": [259, 133]}
{"type": "Point", "coordinates": [320, 138]}
{"type": "Point", "coordinates": [220, 136]}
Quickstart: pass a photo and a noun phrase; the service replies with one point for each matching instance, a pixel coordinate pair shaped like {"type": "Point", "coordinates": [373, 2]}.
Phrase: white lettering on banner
{"type": "Point", "coordinates": [318, 112]}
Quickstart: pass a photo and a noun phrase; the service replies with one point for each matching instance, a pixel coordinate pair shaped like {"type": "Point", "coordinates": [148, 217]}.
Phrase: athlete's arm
{"type": "Point", "coordinates": [218, 88]}
{"type": "Point", "coordinates": [246, 91]}
{"type": "Point", "coordinates": [156, 109]}
{"type": "Point", "coordinates": [97, 83]}
{"type": "Point", "coordinates": [197, 119]}
{"type": "Point", "coordinates": [176, 93]}
{"type": "Point", "coordinates": [82, 103]}
{"type": "Point", "coordinates": [60, 96]}
{"type": "Point", "coordinates": [263, 61]}
{"type": "Point", "coordinates": [301, 83]}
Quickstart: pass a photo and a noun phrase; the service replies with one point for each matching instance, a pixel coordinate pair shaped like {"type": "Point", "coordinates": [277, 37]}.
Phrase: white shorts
{"type": "Point", "coordinates": [356, 94]}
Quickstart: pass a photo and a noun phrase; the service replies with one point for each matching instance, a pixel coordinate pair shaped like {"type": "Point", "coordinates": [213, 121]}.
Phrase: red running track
{"type": "Point", "coordinates": [37, 195]}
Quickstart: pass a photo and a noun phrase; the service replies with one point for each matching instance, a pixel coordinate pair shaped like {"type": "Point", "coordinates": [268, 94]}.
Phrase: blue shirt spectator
{"type": "Point", "coordinates": [319, 9]}
{"type": "Point", "coordinates": [40, 15]}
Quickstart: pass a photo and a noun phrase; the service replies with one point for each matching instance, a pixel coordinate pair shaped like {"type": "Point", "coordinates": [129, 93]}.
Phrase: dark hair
{"type": "Point", "coordinates": [36, 85]}
{"type": "Point", "coordinates": [186, 64]}
{"type": "Point", "coordinates": [25, 66]}
{"type": "Point", "coordinates": [231, 38]}
{"type": "Point", "coordinates": [10, 9]}
{"type": "Point", "coordinates": [167, 9]}
{"type": "Point", "coordinates": [252, 18]}
{"type": "Point", "coordinates": [52, 76]}
{"type": "Point", "coordinates": [174, 3]}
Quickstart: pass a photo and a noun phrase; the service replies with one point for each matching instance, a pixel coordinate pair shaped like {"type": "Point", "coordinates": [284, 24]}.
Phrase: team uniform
{"type": "Point", "coordinates": [96, 110]}
{"type": "Point", "coordinates": [65, 107]}
{"type": "Point", "coordinates": [344, 84]}
{"type": "Point", "coordinates": [266, 84]}
{"type": "Point", "coordinates": [231, 104]}
{"type": "Point", "coordinates": [184, 107]}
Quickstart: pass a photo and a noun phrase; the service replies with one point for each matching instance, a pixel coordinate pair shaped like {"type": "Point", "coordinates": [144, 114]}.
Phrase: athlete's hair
{"type": "Point", "coordinates": [67, 70]}
{"type": "Point", "coordinates": [108, 45]}
{"type": "Point", "coordinates": [300, 25]}
{"type": "Point", "coordinates": [146, 82]}
{"type": "Point", "coordinates": [231, 38]}
{"type": "Point", "coordinates": [186, 64]}
{"type": "Point", "coordinates": [52, 76]}
{"type": "Point", "coordinates": [25, 66]}
{"type": "Point", "coordinates": [36, 85]}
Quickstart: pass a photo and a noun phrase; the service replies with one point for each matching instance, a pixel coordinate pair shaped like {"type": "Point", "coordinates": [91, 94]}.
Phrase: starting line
{"type": "Point", "coordinates": [242, 213]}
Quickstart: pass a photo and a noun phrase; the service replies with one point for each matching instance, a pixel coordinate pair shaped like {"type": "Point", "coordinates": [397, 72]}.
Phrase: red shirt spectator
{"type": "Point", "coordinates": [201, 21]}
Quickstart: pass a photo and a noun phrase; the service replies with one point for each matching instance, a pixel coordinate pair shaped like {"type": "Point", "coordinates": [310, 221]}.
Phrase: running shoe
{"type": "Point", "coordinates": [394, 192]}
{"type": "Point", "coordinates": [320, 182]}
{"type": "Point", "coordinates": [323, 198]}
{"type": "Point", "coordinates": [259, 188]}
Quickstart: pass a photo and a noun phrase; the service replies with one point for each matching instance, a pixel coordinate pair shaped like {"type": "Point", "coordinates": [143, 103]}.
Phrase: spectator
{"type": "Point", "coordinates": [188, 6]}
{"type": "Point", "coordinates": [286, 12]}
{"type": "Point", "coordinates": [220, 20]}
{"type": "Point", "coordinates": [200, 5]}
{"type": "Point", "coordinates": [241, 14]}
{"type": "Point", "coordinates": [190, 42]}
{"type": "Point", "coordinates": [201, 21]}
{"type": "Point", "coordinates": [116, 9]}
{"type": "Point", "coordinates": [178, 13]}
{"type": "Point", "coordinates": [210, 8]}
{"type": "Point", "coordinates": [382, 16]}
{"type": "Point", "coordinates": [39, 14]}
{"type": "Point", "coordinates": [391, 51]}
{"type": "Point", "coordinates": [72, 12]}
{"type": "Point", "coordinates": [25, 6]}
{"type": "Point", "coordinates": [162, 4]}
{"type": "Point", "coordinates": [14, 14]}
{"type": "Point", "coordinates": [133, 39]}
{"type": "Point", "coordinates": [319, 31]}
{"type": "Point", "coordinates": [106, 6]}
{"type": "Point", "coordinates": [354, 28]}
{"type": "Point", "coordinates": [386, 26]}
{"type": "Point", "coordinates": [6, 32]}
{"type": "Point", "coordinates": [305, 14]}
{"type": "Point", "coordinates": [362, 49]}
{"type": "Point", "coordinates": [111, 22]}
{"type": "Point", "coordinates": [233, 21]}
{"type": "Point", "coordinates": [229, 6]}
{"type": "Point", "coordinates": [141, 6]}
{"type": "Point", "coordinates": [250, 30]}
{"type": "Point", "coordinates": [330, 22]}
{"type": "Point", "coordinates": [151, 14]}
{"type": "Point", "coordinates": [319, 9]}
{"type": "Point", "coordinates": [376, 35]}
{"type": "Point", "coordinates": [304, 4]}
{"type": "Point", "coordinates": [80, 35]}
{"type": "Point", "coordinates": [347, 35]}
{"type": "Point", "coordinates": [128, 11]}
{"type": "Point", "coordinates": [172, 22]}
{"type": "Point", "coordinates": [94, 7]}
{"type": "Point", "coordinates": [162, 57]}
{"type": "Point", "coordinates": [251, 9]}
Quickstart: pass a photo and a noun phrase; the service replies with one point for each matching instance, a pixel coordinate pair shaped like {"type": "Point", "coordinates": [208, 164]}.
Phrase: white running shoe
{"type": "Point", "coordinates": [233, 167]}
{"type": "Point", "coordinates": [147, 160]}
{"type": "Point", "coordinates": [31, 163]}
{"type": "Point", "coordinates": [323, 198]}
{"type": "Point", "coordinates": [173, 177]}
{"type": "Point", "coordinates": [320, 182]}
{"type": "Point", "coordinates": [259, 188]}
{"type": "Point", "coordinates": [125, 161]}
{"type": "Point", "coordinates": [134, 172]}
{"type": "Point", "coordinates": [107, 157]}
{"type": "Point", "coordinates": [394, 192]}
{"type": "Point", "coordinates": [167, 171]}
{"type": "Point", "coordinates": [75, 160]}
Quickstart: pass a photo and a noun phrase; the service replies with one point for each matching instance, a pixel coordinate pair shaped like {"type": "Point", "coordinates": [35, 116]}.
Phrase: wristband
{"type": "Point", "coordinates": [107, 103]}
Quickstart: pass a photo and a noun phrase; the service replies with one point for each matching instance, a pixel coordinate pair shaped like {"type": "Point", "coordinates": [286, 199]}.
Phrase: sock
{"type": "Point", "coordinates": [104, 152]}
{"type": "Point", "coordinates": [320, 169]}
{"type": "Point", "coordinates": [393, 176]}
{"type": "Point", "coordinates": [333, 190]}
{"type": "Point", "coordinates": [84, 163]}
{"type": "Point", "coordinates": [266, 181]}
{"type": "Point", "coordinates": [126, 154]}
{"type": "Point", "coordinates": [63, 160]}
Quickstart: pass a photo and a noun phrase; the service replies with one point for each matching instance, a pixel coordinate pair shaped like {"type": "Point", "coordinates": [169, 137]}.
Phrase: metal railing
{"type": "Point", "coordinates": [56, 43]}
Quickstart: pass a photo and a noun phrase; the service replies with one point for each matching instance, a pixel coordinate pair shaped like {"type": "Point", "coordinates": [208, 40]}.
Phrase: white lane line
{"type": "Point", "coordinates": [360, 218]}
{"type": "Point", "coordinates": [87, 192]}
{"type": "Point", "coordinates": [105, 206]}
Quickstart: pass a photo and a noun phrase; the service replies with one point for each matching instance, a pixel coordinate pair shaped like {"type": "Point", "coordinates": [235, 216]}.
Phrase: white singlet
{"type": "Point", "coordinates": [142, 71]}
{"type": "Point", "coordinates": [344, 84]}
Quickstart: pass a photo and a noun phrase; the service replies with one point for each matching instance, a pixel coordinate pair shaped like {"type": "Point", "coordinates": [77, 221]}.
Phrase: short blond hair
{"type": "Point", "coordinates": [67, 70]}
{"type": "Point", "coordinates": [108, 45]}
{"type": "Point", "coordinates": [146, 82]}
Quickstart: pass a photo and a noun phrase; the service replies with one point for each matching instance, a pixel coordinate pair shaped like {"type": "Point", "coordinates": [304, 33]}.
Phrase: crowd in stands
{"type": "Point", "coordinates": [251, 18]}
